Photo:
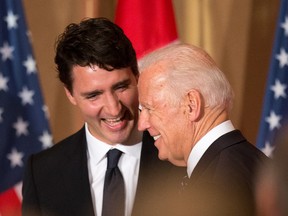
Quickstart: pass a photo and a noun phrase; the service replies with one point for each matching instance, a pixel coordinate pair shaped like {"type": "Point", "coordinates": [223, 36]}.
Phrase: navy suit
{"type": "Point", "coordinates": [56, 181]}
{"type": "Point", "coordinates": [222, 182]}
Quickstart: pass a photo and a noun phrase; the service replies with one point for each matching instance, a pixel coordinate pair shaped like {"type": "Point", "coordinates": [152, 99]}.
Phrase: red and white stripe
{"type": "Point", "coordinates": [10, 201]}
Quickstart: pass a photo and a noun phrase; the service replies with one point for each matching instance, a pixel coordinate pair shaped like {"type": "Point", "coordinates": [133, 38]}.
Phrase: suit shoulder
{"type": "Point", "coordinates": [63, 147]}
{"type": "Point", "coordinates": [246, 150]}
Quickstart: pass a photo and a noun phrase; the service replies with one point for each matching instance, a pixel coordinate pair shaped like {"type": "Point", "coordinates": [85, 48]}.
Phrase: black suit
{"type": "Point", "coordinates": [56, 180]}
{"type": "Point", "coordinates": [222, 182]}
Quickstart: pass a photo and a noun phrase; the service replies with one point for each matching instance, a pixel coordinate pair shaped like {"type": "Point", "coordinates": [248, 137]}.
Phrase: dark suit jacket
{"type": "Point", "coordinates": [222, 183]}
{"type": "Point", "coordinates": [56, 180]}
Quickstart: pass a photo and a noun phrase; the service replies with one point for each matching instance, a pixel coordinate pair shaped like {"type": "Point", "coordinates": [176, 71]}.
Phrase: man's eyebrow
{"type": "Point", "coordinates": [95, 92]}
{"type": "Point", "coordinates": [123, 82]}
{"type": "Point", "coordinates": [99, 92]}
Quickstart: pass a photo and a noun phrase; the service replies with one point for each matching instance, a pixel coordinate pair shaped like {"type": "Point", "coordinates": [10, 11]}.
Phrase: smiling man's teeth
{"type": "Point", "coordinates": [156, 137]}
{"type": "Point", "coordinates": [113, 122]}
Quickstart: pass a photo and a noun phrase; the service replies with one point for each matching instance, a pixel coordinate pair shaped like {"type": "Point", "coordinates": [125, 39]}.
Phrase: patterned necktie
{"type": "Point", "coordinates": [113, 194]}
{"type": "Point", "coordinates": [183, 184]}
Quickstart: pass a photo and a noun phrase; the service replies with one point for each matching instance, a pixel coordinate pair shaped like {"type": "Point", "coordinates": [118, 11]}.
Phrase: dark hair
{"type": "Point", "coordinates": [94, 41]}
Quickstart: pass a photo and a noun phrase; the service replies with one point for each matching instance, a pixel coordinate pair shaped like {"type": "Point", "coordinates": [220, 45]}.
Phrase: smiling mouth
{"type": "Point", "coordinates": [156, 137]}
{"type": "Point", "coordinates": [116, 122]}
{"type": "Point", "coordinates": [113, 121]}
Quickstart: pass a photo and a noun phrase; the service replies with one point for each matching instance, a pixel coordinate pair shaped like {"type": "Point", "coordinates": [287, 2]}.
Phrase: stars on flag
{"type": "Point", "coordinates": [274, 115]}
{"type": "Point", "coordinates": [16, 158]}
{"type": "Point", "coordinates": [6, 51]}
{"type": "Point", "coordinates": [268, 149]}
{"type": "Point", "coordinates": [21, 127]}
{"type": "Point", "coordinates": [273, 120]}
{"type": "Point", "coordinates": [26, 96]}
{"type": "Point", "coordinates": [3, 82]}
{"type": "Point", "coordinates": [46, 140]}
{"type": "Point", "coordinates": [46, 111]}
{"type": "Point", "coordinates": [24, 126]}
{"type": "Point", "coordinates": [279, 89]}
{"type": "Point", "coordinates": [30, 65]}
{"type": "Point", "coordinates": [282, 57]}
{"type": "Point", "coordinates": [11, 20]}
{"type": "Point", "coordinates": [284, 25]}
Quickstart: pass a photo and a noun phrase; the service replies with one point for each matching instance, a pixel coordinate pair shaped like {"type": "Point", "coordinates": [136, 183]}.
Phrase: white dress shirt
{"type": "Point", "coordinates": [128, 164]}
{"type": "Point", "coordinates": [203, 144]}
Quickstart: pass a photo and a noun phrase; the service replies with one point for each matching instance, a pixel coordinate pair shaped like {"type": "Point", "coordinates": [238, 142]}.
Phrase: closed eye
{"type": "Point", "coordinates": [123, 85]}
{"type": "Point", "coordinates": [143, 108]}
{"type": "Point", "coordinates": [92, 95]}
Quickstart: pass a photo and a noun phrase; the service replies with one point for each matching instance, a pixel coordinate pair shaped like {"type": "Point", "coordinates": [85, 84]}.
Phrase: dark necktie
{"type": "Point", "coordinates": [113, 194]}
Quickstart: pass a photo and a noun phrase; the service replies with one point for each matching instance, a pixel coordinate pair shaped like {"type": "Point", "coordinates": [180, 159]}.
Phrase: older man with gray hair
{"type": "Point", "coordinates": [186, 101]}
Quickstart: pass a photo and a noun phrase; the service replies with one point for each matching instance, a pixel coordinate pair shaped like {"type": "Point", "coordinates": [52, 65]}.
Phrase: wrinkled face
{"type": "Point", "coordinates": [108, 101]}
{"type": "Point", "coordinates": [166, 123]}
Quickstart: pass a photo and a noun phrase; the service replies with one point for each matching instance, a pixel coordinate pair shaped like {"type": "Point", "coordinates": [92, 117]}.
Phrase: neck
{"type": "Point", "coordinates": [211, 118]}
{"type": "Point", "coordinates": [135, 137]}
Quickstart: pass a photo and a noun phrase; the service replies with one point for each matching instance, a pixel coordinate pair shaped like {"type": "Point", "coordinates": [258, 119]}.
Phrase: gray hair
{"type": "Point", "coordinates": [185, 67]}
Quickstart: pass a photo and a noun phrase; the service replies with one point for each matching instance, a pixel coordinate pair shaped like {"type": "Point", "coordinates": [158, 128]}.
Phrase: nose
{"type": "Point", "coordinates": [143, 122]}
{"type": "Point", "coordinates": [113, 104]}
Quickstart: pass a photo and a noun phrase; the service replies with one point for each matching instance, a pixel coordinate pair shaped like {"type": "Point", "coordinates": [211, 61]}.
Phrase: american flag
{"type": "Point", "coordinates": [24, 127]}
{"type": "Point", "coordinates": [275, 110]}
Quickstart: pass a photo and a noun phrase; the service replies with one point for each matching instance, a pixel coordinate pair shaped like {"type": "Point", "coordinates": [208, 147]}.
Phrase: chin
{"type": "Point", "coordinates": [178, 163]}
{"type": "Point", "coordinates": [120, 141]}
{"type": "Point", "coordinates": [162, 157]}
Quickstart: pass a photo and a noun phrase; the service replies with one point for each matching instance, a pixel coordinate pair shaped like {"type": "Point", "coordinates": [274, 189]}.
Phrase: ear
{"type": "Point", "coordinates": [193, 102]}
{"type": "Point", "coordinates": [70, 96]}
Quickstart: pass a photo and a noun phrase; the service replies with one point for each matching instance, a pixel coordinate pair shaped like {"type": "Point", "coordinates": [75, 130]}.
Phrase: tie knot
{"type": "Point", "coordinates": [113, 156]}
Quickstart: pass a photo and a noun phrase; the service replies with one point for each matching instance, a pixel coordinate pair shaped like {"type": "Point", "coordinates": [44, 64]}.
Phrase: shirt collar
{"type": "Point", "coordinates": [98, 149]}
{"type": "Point", "coordinates": [203, 144]}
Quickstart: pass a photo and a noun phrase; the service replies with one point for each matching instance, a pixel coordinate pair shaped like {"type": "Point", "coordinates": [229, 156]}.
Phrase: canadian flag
{"type": "Point", "coordinates": [149, 24]}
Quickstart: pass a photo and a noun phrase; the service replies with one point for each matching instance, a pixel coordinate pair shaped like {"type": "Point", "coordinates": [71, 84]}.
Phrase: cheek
{"type": "Point", "coordinates": [172, 135]}
{"type": "Point", "coordinates": [175, 131]}
{"type": "Point", "coordinates": [89, 109]}
{"type": "Point", "coordinates": [129, 98]}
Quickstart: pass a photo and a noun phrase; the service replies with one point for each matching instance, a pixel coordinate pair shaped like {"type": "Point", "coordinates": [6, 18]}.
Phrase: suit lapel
{"type": "Point", "coordinates": [229, 139]}
{"type": "Point", "coordinates": [75, 175]}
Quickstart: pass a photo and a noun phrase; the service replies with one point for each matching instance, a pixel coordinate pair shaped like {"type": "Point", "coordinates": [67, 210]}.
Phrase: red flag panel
{"type": "Point", "coordinates": [149, 24]}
